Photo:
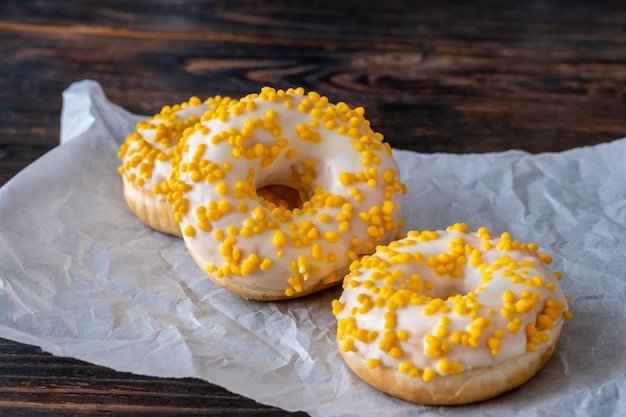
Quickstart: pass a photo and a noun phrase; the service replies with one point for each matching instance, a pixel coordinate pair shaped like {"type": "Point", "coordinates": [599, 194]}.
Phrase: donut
{"type": "Point", "coordinates": [342, 173]}
{"type": "Point", "coordinates": [146, 164]}
{"type": "Point", "coordinates": [146, 161]}
{"type": "Point", "coordinates": [450, 317]}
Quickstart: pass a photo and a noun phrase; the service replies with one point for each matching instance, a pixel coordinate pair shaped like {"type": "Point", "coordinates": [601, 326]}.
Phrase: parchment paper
{"type": "Point", "coordinates": [82, 277]}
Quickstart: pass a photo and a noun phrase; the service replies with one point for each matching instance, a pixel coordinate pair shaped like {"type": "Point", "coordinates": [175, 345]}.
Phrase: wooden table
{"type": "Point", "coordinates": [442, 76]}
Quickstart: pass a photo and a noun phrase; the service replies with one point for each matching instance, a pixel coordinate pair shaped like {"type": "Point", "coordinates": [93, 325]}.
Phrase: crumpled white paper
{"type": "Point", "coordinates": [82, 277]}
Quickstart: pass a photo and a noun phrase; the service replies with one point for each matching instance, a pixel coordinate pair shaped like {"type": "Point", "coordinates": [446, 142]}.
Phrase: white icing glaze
{"type": "Point", "coordinates": [415, 320]}
{"type": "Point", "coordinates": [139, 144]}
{"type": "Point", "coordinates": [312, 166]}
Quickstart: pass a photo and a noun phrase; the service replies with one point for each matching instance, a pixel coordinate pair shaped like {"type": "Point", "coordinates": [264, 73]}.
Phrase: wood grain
{"type": "Point", "coordinates": [35, 383]}
{"type": "Point", "coordinates": [437, 79]}
{"type": "Point", "coordinates": [446, 76]}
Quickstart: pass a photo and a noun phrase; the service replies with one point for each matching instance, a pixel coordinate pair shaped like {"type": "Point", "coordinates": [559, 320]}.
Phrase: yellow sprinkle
{"type": "Point", "coordinates": [324, 217]}
{"type": "Point", "coordinates": [347, 345]}
{"type": "Point", "coordinates": [266, 264]}
{"type": "Point", "coordinates": [428, 375]}
{"type": "Point", "coordinates": [224, 206]}
{"type": "Point", "coordinates": [332, 236]}
{"type": "Point", "coordinates": [347, 178]}
{"type": "Point", "coordinates": [279, 239]}
{"type": "Point", "coordinates": [395, 352]}
{"type": "Point", "coordinates": [373, 363]}
{"type": "Point", "coordinates": [508, 296]}
{"type": "Point", "coordinates": [317, 252]}
{"type": "Point", "coordinates": [221, 188]}
{"type": "Point", "coordinates": [259, 213]}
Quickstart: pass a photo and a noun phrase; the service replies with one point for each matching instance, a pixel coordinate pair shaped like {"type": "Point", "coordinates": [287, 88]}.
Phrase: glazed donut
{"type": "Point", "coordinates": [146, 161]}
{"type": "Point", "coordinates": [450, 317]}
{"type": "Point", "coordinates": [342, 171]}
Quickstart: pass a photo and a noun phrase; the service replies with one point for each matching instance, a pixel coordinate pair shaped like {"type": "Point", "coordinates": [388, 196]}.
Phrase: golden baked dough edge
{"type": "Point", "coordinates": [153, 209]}
{"type": "Point", "coordinates": [473, 385]}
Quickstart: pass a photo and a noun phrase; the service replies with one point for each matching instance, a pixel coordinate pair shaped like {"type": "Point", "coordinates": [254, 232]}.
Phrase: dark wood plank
{"type": "Point", "coordinates": [33, 383]}
{"type": "Point", "coordinates": [498, 81]}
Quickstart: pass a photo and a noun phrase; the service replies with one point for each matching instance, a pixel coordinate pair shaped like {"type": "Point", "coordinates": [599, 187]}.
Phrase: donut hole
{"type": "Point", "coordinates": [447, 288]}
{"type": "Point", "coordinates": [443, 290]}
{"type": "Point", "coordinates": [280, 195]}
